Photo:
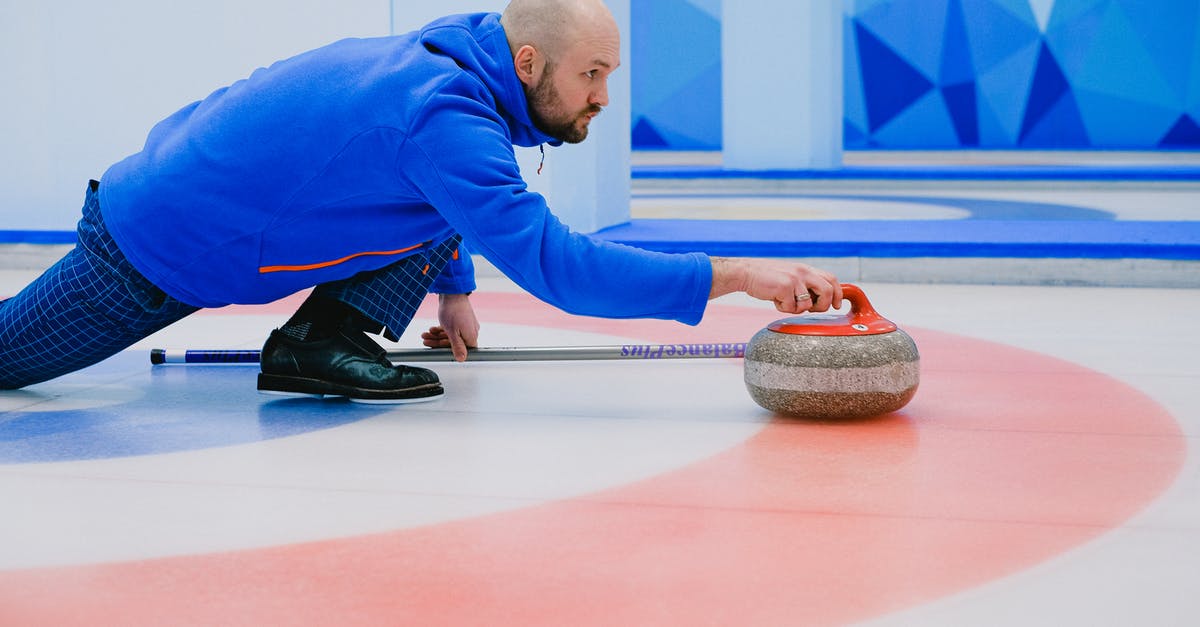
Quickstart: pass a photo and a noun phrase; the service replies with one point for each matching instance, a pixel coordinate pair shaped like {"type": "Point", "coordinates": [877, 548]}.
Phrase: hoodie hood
{"type": "Point", "coordinates": [478, 43]}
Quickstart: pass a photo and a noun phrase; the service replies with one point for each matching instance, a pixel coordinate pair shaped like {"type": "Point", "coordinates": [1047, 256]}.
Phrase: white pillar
{"type": "Point", "coordinates": [782, 84]}
{"type": "Point", "coordinates": [587, 185]}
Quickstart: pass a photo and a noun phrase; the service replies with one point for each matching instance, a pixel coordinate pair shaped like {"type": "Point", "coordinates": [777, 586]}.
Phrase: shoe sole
{"type": "Point", "coordinates": [315, 388]}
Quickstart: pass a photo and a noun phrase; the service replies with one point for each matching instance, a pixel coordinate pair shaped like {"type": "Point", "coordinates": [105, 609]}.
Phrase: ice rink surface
{"type": "Point", "coordinates": [1046, 473]}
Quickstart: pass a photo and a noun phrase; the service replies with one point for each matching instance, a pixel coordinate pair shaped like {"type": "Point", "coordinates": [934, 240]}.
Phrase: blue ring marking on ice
{"type": "Point", "coordinates": [1157, 173]}
{"type": "Point", "coordinates": [185, 409]}
{"type": "Point", "coordinates": [1030, 239]}
{"type": "Point", "coordinates": [978, 208]}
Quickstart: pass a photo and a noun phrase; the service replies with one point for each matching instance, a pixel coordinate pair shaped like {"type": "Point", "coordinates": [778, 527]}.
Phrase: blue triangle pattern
{"type": "Point", "coordinates": [894, 83]}
{"type": "Point", "coordinates": [852, 136]}
{"type": "Point", "coordinates": [956, 49]}
{"type": "Point", "coordinates": [688, 115]}
{"type": "Point", "coordinates": [711, 7]}
{"type": "Point", "coordinates": [927, 121]}
{"type": "Point", "coordinates": [994, 34]}
{"type": "Point", "coordinates": [1100, 74]}
{"type": "Point", "coordinates": [646, 136]}
{"type": "Point", "coordinates": [1060, 126]}
{"type": "Point", "coordinates": [992, 133]}
{"type": "Point", "coordinates": [1167, 37]}
{"type": "Point", "coordinates": [673, 42]}
{"type": "Point", "coordinates": [1005, 87]}
{"type": "Point", "coordinates": [918, 41]}
{"type": "Point", "coordinates": [679, 41]}
{"type": "Point", "coordinates": [1047, 90]}
{"type": "Point", "coordinates": [854, 104]}
{"type": "Point", "coordinates": [1068, 13]}
{"type": "Point", "coordinates": [1114, 50]}
{"type": "Point", "coordinates": [1075, 43]}
{"type": "Point", "coordinates": [1118, 121]}
{"type": "Point", "coordinates": [962, 104]}
{"type": "Point", "coordinates": [1185, 134]}
{"type": "Point", "coordinates": [1019, 9]}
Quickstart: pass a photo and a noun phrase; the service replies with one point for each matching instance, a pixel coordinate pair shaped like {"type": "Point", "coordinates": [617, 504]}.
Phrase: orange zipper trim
{"type": "Point", "coordinates": [326, 264]}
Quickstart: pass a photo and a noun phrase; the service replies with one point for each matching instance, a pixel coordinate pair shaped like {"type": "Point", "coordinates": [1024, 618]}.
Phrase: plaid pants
{"type": "Point", "coordinates": [92, 304]}
{"type": "Point", "coordinates": [85, 308]}
{"type": "Point", "coordinates": [391, 295]}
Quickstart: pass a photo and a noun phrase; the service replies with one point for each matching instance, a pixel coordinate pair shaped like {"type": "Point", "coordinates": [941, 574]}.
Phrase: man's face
{"type": "Point", "coordinates": [573, 90]}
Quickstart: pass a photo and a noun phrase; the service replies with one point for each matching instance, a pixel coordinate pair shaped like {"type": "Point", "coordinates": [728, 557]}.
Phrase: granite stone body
{"type": "Point", "coordinates": [832, 377]}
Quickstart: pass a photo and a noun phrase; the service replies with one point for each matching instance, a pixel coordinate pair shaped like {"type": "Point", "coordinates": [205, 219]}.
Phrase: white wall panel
{"type": "Point", "coordinates": [83, 82]}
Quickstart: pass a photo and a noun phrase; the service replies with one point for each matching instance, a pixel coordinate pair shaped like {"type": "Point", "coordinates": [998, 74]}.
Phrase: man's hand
{"type": "Point", "coordinates": [458, 330]}
{"type": "Point", "coordinates": [793, 287]}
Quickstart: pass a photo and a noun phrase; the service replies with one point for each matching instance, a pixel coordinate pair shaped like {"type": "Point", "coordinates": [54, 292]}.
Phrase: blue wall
{"type": "Point", "coordinates": [945, 74]}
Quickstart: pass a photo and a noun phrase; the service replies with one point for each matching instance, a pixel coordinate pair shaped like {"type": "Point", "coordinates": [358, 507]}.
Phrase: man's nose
{"type": "Point", "coordinates": [600, 96]}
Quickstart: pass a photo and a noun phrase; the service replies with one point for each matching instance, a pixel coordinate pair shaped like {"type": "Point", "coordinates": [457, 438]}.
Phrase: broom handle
{"type": "Point", "coordinates": [160, 356]}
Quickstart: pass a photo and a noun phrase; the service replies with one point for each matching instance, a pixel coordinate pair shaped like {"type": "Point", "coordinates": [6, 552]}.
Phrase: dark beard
{"type": "Point", "coordinates": [543, 97]}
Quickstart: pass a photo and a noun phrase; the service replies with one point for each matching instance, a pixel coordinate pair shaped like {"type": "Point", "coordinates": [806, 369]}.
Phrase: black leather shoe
{"type": "Point", "coordinates": [347, 364]}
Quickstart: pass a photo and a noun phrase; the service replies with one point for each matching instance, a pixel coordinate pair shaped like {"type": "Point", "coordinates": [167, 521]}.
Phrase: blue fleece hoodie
{"type": "Point", "coordinates": [351, 156]}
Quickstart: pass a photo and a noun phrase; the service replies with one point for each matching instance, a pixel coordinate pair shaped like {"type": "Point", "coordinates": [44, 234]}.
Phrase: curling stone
{"type": "Point", "coordinates": [833, 366]}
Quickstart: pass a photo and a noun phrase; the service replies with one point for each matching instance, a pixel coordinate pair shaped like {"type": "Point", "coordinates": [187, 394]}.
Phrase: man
{"type": "Point", "coordinates": [366, 170]}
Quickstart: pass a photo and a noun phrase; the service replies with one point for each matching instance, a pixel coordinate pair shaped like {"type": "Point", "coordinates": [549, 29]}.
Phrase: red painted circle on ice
{"type": "Point", "coordinates": [1005, 458]}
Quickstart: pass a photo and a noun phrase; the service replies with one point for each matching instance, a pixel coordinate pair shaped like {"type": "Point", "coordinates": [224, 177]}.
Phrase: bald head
{"type": "Point", "coordinates": [563, 52]}
{"type": "Point", "coordinates": [551, 26]}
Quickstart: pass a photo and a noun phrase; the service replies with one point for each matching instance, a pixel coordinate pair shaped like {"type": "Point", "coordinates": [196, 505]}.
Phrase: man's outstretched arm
{"type": "Point", "coordinates": [793, 287]}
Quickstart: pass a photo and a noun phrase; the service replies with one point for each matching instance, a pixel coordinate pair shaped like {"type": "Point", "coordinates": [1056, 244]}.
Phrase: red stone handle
{"type": "Point", "coordinates": [862, 319]}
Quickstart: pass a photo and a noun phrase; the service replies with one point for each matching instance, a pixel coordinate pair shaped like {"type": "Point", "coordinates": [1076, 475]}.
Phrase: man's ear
{"type": "Point", "coordinates": [529, 63]}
